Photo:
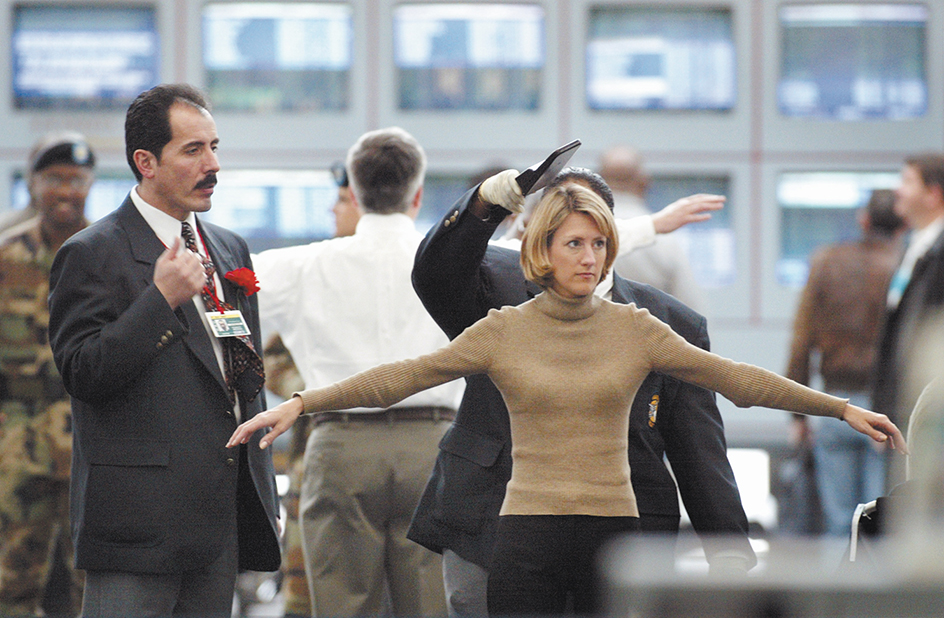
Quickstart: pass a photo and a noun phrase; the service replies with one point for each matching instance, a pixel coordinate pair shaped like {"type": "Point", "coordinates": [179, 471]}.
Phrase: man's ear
{"type": "Point", "coordinates": [145, 161]}
{"type": "Point", "coordinates": [937, 192]}
{"type": "Point", "coordinates": [417, 202]}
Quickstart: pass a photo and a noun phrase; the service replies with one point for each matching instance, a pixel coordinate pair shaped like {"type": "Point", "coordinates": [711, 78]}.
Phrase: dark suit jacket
{"type": "Point", "coordinates": [459, 277]}
{"type": "Point", "coordinates": [923, 298]}
{"type": "Point", "coordinates": [154, 490]}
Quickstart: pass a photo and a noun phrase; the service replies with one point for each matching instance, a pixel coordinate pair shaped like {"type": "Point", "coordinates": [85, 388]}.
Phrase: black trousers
{"type": "Point", "coordinates": [542, 563]}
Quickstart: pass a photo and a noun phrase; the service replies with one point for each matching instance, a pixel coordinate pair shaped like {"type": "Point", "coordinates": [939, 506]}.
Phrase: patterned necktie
{"type": "Point", "coordinates": [244, 370]}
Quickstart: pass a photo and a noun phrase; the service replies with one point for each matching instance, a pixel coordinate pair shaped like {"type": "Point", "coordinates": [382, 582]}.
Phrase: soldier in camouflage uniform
{"type": "Point", "coordinates": [35, 415]}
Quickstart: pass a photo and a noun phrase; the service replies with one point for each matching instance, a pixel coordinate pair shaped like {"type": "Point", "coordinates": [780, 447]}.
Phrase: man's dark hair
{"type": "Point", "coordinates": [881, 211]}
{"type": "Point", "coordinates": [587, 178]}
{"type": "Point", "coordinates": [930, 166]}
{"type": "Point", "coordinates": [147, 123]}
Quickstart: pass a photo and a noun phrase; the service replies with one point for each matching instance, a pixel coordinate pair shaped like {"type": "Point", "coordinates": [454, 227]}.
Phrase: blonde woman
{"type": "Point", "coordinates": [560, 365]}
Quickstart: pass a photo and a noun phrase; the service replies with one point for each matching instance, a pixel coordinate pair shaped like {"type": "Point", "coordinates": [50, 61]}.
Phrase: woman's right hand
{"type": "Point", "coordinates": [876, 426]}
{"type": "Point", "coordinates": [280, 419]}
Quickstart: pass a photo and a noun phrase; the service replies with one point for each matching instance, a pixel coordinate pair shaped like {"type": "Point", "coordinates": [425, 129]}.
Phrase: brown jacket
{"type": "Point", "coordinates": [841, 313]}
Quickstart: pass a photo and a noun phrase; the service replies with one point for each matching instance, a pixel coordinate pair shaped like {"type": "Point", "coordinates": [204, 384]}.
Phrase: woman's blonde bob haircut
{"type": "Point", "coordinates": [556, 205]}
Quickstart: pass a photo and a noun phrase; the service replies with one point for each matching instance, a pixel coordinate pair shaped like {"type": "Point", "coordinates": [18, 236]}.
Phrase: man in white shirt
{"type": "Point", "coordinates": [916, 293]}
{"type": "Point", "coordinates": [663, 264]}
{"type": "Point", "coordinates": [341, 306]}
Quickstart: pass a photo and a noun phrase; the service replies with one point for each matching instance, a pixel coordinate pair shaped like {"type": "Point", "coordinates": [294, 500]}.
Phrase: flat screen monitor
{"type": "Point", "coordinates": [80, 56]}
{"type": "Point", "coordinates": [710, 245]}
{"type": "Point", "coordinates": [853, 61]}
{"type": "Point", "coordinates": [818, 209]}
{"type": "Point", "coordinates": [469, 56]}
{"type": "Point", "coordinates": [265, 56]}
{"type": "Point", "coordinates": [677, 58]}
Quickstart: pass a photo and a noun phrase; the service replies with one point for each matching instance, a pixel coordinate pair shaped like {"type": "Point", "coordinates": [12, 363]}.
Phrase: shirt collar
{"type": "Point", "coordinates": [166, 227]}
{"type": "Point", "coordinates": [372, 223]}
{"type": "Point", "coordinates": [922, 239]}
{"type": "Point", "coordinates": [604, 289]}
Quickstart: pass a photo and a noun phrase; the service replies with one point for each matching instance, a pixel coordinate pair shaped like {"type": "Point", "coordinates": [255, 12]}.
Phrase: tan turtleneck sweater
{"type": "Point", "coordinates": [568, 371]}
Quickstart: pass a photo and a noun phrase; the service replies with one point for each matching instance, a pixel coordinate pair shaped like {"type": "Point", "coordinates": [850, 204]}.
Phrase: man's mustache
{"type": "Point", "coordinates": [208, 182]}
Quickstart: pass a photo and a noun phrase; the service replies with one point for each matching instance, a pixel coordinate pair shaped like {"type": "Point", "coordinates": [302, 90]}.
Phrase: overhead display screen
{"type": "Point", "coordinates": [853, 61]}
{"type": "Point", "coordinates": [264, 56]}
{"type": "Point", "coordinates": [660, 58]}
{"type": "Point", "coordinates": [83, 56]}
{"type": "Point", "coordinates": [469, 56]}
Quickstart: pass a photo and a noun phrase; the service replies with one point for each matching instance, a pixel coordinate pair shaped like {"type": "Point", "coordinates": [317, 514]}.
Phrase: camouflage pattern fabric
{"type": "Point", "coordinates": [35, 434]}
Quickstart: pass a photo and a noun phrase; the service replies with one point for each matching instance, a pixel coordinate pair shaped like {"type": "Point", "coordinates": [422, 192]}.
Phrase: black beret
{"type": "Point", "coordinates": [69, 150]}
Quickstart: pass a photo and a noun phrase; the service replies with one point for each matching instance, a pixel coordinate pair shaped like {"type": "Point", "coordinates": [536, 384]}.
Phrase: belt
{"type": "Point", "coordinates": [391, 416]}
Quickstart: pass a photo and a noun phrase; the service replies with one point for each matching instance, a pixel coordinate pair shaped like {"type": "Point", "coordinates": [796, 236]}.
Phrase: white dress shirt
{"type": "Point", "coordinates": [347, 304]}
{"type": "Point", "coordinates": [167, 228]}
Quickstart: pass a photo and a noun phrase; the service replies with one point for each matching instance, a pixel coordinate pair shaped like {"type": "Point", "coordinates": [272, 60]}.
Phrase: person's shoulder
{"type": "Point", "coordinates": [306, 251]}
{"type": "Point", "coordinates": [840, 250]}
{"type": "Point", "coordinates": [20, 232]}
{"type": "Point", "coordinates": [96, 234]}
{"type": "Point", "coordinates": [501, 259]}
{"type": "Point", "coordinates": [664, 306]}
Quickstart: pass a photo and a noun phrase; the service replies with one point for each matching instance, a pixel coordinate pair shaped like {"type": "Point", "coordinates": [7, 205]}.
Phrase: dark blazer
{"type": "Point", "coordinates": [923, 298]}
{"type": "Point", "coordinates": [154, 490]}
{"type": "Point", "coordinates": [459, 277]}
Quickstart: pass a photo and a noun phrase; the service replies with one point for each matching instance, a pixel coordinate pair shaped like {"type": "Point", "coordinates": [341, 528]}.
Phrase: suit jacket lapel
{"type": "Point", "coordinates": [146, 247]}
{"type": "Point", "coordinates": [622, 293]}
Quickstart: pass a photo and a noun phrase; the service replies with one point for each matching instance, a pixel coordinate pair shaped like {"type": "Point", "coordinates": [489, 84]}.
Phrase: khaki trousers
{"type": "Point", "coordinates": [362, 483]}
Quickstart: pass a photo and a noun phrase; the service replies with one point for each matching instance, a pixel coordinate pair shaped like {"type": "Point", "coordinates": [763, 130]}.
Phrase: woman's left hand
{"type": "Point", "coordinates": [876, 426]}
{"type": "Point", "coordinates": [279, 418]}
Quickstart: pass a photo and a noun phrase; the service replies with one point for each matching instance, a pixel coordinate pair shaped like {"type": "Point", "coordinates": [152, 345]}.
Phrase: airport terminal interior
{"type": "Point", "coordinates": [795, 110]}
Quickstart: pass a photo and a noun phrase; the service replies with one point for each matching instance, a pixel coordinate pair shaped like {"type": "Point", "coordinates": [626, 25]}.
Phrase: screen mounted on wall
{"type": "Point", "coordinates": [78, 56]}
{"type": "Point", "coordinates": [265, 56]}
{"type": "Point", "coordinates": [853, 61]}
{"type": "Point", "coordinates": [660, 58]}
{"type": "Point", "coordinates": [469, 56]}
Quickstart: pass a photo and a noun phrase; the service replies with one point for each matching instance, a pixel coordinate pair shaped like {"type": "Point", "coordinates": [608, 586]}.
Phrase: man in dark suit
{"type": "Point", "coordinates": [915, 295]}
{"type": "Point", "coordinates": [460, 277]}
{"type": "Point", "coordinates": [163, 515]}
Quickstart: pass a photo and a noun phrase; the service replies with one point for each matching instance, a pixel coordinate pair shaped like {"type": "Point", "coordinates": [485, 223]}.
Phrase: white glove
{"type": "Point", "coordinates": [502, 190]}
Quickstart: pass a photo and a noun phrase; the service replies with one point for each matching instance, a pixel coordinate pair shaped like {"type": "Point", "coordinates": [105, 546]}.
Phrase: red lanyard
{"type": "Point", "coordinates": [207, 292]}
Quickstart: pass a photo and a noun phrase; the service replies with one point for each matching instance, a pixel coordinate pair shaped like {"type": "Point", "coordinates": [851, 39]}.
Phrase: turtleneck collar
{"type": "Point", "coordinates": [556, 306]}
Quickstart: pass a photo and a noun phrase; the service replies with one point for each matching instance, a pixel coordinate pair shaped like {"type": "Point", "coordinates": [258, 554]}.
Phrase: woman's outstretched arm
{"type": "Point", "coordinates": [384, 385]}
